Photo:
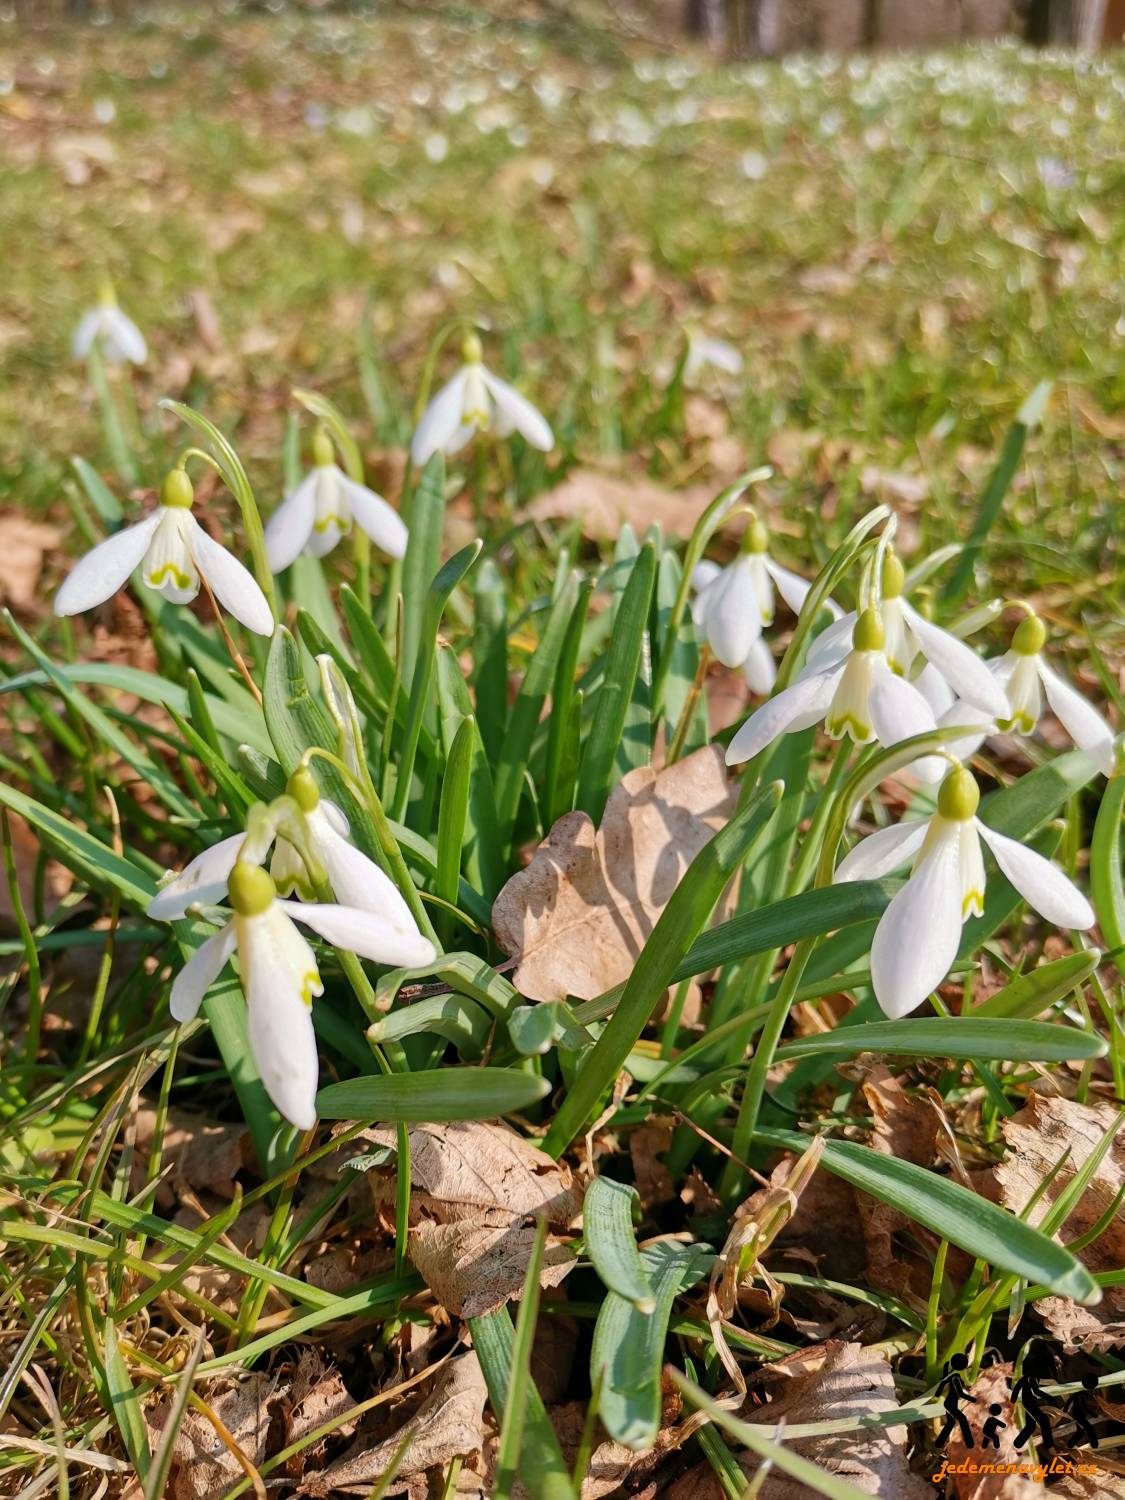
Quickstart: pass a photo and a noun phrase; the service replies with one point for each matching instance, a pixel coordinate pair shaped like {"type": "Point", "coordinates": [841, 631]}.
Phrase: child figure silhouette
{"type": "Point", "coordinates": [990, 1433]}
{"type": "Point", "coordinates": [954, 1388]}
{"type": "Point", "coordinates": [1080, 1407]}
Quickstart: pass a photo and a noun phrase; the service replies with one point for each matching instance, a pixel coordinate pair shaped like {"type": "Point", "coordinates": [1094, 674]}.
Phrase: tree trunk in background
{"type": "Point", "coordinates": [771, 28]}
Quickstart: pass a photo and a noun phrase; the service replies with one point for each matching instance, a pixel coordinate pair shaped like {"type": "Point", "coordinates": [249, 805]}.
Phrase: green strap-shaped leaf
{"type": "Point", "coordinates": [1030, 994]}
{"type": "Point", "coordinates": [445, 1094]}
{"type": "Point", "coordinates": [964, 1218]}
{"type": "Point", "coordinates": [628, 1346]}
{"type": "Point", "coordinates": [968, 1038]}
{"type": "Point", "coordinates": [607, 1221]}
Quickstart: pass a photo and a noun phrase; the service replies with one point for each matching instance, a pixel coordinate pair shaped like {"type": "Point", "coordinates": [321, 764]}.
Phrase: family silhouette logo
{"type": "Point", "coordinates": [1029, 1392]}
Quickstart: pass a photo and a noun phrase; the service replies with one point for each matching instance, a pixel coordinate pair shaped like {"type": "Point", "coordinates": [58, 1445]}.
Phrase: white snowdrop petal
{"type": "Point", "coordinates": [86, 333]}
{"type": "Point", "coordinates": [98, 575]}
{"type": "Point", "coordinates": [381, 521]}
{"type": "Point", "coordinates": [287, 530]}
{"type": "Point", "coordinates": [358, 881]}
{"type": "Point", "coordinates": [792, 587]}
{"type": "Point", "coordinates": [963, 747]}
{"type": "Point", "coordinates": [898, 710]}
{"type": "Point", "coordinates": [796, 707]}
{"type": "Point", "coordinates": [959, 664]}
{"type": "Point", "coordinates": [732, 615]}
{"type": "Point", "coordinates": [1083, 723]}
{"type": "Point", "coordinates": [831, 645]}
{"type": "Point", "coordinates": [440, 421]}
{"type": "Point", "coordinates": [1042, 884]}
{"type": "Point", "coordinates": [518, 413]}
{"type": "Point", "coordinates": [936, 691]}
{"type": "Point", "coordinates": [200, 972]}
{"type": "Point", "coordinates": [918, 935]}
{"type": "Point", "coordinates": [234, 586]}
{"type": "Point", "coordinates": [126, 338]}
{"type": "Point", "coordinates": [881, 852]}
{"type": "Point", "coordinates": [703, 573]}
{"type": "Point", "coordinates": [364, 933]}
{"type": "Point", "coordinates": [280, 977]}
{"type": "Point", "coordinates": [759, 669]}
{"type": "Point", "coordinates": [203, 881]}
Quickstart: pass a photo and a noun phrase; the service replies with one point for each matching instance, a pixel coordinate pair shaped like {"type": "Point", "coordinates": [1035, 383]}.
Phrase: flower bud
{"type": "Point", "coordinates": [959, 796]}
{"type": "Point", "coordinates": [1030, 637]}
{"type": "Point", "coordinates": [323, 453]}
{"type": "Point", "coordinates": [176, 491]}
{"type": "Point", "coordinates": [250, 888]}
{"type": "Point", "coordinates": [302, 787]}
{"type": "Point", "coordinates": [868, 634]}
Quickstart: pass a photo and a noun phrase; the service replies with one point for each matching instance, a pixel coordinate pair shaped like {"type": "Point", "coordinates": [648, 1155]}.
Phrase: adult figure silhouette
{"type": "Point", "coordinates": [954, 1388]}
{"type": "Point", "coordinates": [1081, 1408]}
{"type": "Point", "coordinates": [1037, 1367]}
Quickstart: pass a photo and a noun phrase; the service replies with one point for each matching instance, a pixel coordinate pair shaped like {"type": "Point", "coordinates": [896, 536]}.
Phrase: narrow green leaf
{"type": "Point", "coordinates": [444, 1094]}
{"type": "Point", "coordinates": [607, 1222]}
{"type": "Point", "coordinates": [1106, 883]}
{"type": "Point", "coordinates": [542, 1467]}
{"type": "Point", "coordinates": [628, 1345]}
{"type": "Point", "coordinates": [1030, 994]}
{"type": "Point", "coordinates": [452, 811]}
{"type": "Point", "coordinates": [457, 1018]}
{"type": "Point", "coordinates": [967, 1038]}
{"type": "Point", "coordinates": [967, 1220]}
{"type": "Point", "coordinates": [425, 519]}
{"type": "Point", "coordinates": [125, 1408]}
{"type": "Point", "coordinates": [611, 702]}
{"type": "Point", "coordinates": [99, 494]}
{"type": "Point", "coordinates": [517, 1401]}
{"type": "Point", "coordinates": [680, 923]}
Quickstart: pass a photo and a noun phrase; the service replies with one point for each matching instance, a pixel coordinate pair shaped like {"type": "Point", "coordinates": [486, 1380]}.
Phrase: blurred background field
{"type": "Point", "coordinates": [900, 245]}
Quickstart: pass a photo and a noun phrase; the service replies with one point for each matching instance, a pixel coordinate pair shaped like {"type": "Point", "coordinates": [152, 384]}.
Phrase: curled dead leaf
{"type": "Point", "coordinates": [581, 911]}
{"type": "Point", "coordinates": [475, 1268]}
{"type": "Point", "coordinates": [23, 543]}
{"type": "Point", "coordinates": [602, 503]}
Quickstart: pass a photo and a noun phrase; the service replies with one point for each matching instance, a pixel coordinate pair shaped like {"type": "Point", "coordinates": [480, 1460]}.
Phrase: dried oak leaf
{"type": "Point", "coordinates": [1037, 1138]}
{"type": "Point", "coordinates": [473, 1169]}
{"type": "Point", "coordinates": [826, 1383]}
{"type": "Point", "coordinates": [204, 1155]}
{"type": "Point", "coordinates": [603, 503]}
{"type": "Point", "coordinates": [581, 911]}
{"type": "Point", "coordinates": [22, 545]}
{"type": "Point", "coordinates": [204, 1468]}
{"type": "Point", "coordinates": [475, 1268]}
{"type": "Point", "coordinates": [449, 1424]}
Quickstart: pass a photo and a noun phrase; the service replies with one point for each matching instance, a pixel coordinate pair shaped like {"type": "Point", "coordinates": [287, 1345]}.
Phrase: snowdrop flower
{"type": "Point", "coordinates": [356, 881]}
{"type": "Point", "coordinates": [859, 696]}
{"type": "Point", "coordinates": [321, 509]}
{"type": "Point", "coordinates": [909, 636]}
{"type": "Point", "coordinates": [173, 552]}
{"type": "Point", "coordinates": [118, 338]}
{"type": "Point", "coordinates": [919, 934]}
{"type": "Point", "coordinates": [475, 399]}
{"type": "Point", "coordinates": [734, 602]}
{"type": "Point", "coordinates": [1026, 678]}
{"type": "Point", "coordinates": [705, 353]}
{"type": "Point", "coordinates": [280, 977]}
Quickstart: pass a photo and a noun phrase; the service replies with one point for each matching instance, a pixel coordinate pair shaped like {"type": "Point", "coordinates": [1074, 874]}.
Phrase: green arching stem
{"type": "Point", "coordinates": [333, 422]}
{"type": "Point", "coordinates": [388, 844]}
{"type": "Point", "coordinates": [863, 780]}
{"type": "Point", "coordinates": [112, 423]}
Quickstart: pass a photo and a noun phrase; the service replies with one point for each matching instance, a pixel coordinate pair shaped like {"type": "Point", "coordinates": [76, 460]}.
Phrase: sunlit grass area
{"type": "Point", "coordinates": [637, 1010]}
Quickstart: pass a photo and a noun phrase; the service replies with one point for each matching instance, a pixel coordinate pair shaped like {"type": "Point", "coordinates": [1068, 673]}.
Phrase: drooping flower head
{"type": "Point", "coordinates": [280, 977]}
{"type": "Point", "coordinates": [707, 353]}
{"type": "Point", "coordinates": [1026, 678]}
{"type": "Point", "coordinates": [475, 400]}
{"type": "Point", "coordinates": [314, 516]}
{"type": "Point", "coordinates": [173, 552]}
{"type": "Point", "coordinates": [918, 935]}
{"type": "Point", "coordinates": [118, 339]}
{"type": "Point", "coordinates": [859, 696]}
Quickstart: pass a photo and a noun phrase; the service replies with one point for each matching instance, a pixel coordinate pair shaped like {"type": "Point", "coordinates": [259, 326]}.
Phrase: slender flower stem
{"type": "Point", "coordinates": [112, 423]}
{"type": "Point", "coordinates": [232, 649]}
{"type": "Point", "coordinates": [676, 749]}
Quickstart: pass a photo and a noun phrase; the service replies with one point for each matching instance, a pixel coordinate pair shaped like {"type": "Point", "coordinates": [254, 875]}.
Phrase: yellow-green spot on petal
{"type": "Point", "coordinates": [322, 523]}
{"type": "Point", "coordinates": [169, 570]}
{"type": "Point", "coordinates": [972, 904]}
{"type": "Point", "coordinates": [1021, 723]}
{"type": "Point", "coordinates": [840, 724]}
{"type": "Point", "coordinates": [310, 986]}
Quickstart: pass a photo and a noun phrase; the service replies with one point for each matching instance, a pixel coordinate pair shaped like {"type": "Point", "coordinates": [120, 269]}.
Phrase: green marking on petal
{"type": "Point", "coordinates": [841, 724]}
{"type": "Point", "coordinates": [310, 985]}
{"type": "Point", "coordinates": [169, 570]}
{"type": "Point", "coordinates": [332, 519]}
{"type": "Point", "coordinates": [972, 905]}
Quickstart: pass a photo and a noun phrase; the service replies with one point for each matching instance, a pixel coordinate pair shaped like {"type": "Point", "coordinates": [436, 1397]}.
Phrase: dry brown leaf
{"type": "Point", "coordinates": [581, 911]}
{"type": "Point", "coordinates": [317, 1394]}
{"type": "Point", "coordinates": [1037, 1138]}
{"type": "Point", "coordinates": [204, 1156]}
{"type": "Point", "coordinates": [830, 1382]}
{"type": "Point", "coordinates": [203, 1467]}
{"type": "Point", "coordinates": [603, 503]}
{"type": "Point", "coordinates": [893, 486]}
{"type": "Point", "coordinates": [473, 1169]}
{"type": "Point", "coordinates": [449, 1424]}
{"type": "Point", "coordinates": [22, 545]}
{"type": "Point", "coordinates": [474, 1268]}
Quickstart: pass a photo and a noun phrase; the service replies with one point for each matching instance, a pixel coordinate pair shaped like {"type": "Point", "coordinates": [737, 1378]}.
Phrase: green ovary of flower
{"type": "Point", "coordinates": [959, 796]}
{"type": "Point", "coordinates": [251, 889]}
